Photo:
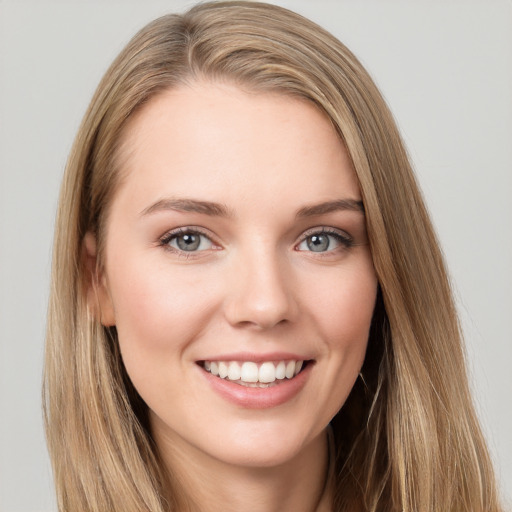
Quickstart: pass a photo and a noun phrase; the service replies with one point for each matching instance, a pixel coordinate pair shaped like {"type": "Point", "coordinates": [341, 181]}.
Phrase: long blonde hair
{"type": "Point", "coordinates": [407, 439]}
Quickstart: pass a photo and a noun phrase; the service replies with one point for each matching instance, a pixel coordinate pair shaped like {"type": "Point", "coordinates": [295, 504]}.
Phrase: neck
{"type": "Point", "coordinates": [210, 485]}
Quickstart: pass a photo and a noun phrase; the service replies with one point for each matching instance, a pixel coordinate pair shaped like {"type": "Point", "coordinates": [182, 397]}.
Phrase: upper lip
{"type": "Point", "coordinates": [258, 357]}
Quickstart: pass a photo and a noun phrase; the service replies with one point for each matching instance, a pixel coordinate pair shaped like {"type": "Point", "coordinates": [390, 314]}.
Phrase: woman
{"type": "Point", "coordinates": [249, 308]}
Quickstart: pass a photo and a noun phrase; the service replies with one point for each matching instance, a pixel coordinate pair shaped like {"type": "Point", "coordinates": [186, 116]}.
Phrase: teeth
{"type": "Point", "coordinates": [290, 369]}
{"type": "Point", "coordinates": [234, 372]}
{"type": "Point", "coordinates": [281, 370]}
{"type": "Point", "coordinates": [223, 370]}
{"type": "Point", "coordinates": [251, 374]}
{"type": "Point", "coordinates": [267, 373]}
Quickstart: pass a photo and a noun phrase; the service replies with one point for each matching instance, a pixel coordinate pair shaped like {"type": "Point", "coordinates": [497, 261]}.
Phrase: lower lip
{"type": "Point", "coordinates": [259, 398]}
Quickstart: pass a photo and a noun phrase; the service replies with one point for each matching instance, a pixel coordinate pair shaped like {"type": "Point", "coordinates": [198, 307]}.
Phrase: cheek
{"type": "Point", "coordinates": [158, 312]}
{"type": "Point", "coordinates": [343, 306]}
{"type": "Point", "coordinates": [343, 317]}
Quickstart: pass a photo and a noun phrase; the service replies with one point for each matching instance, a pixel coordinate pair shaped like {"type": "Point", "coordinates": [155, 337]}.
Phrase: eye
{"type": "Point", "coordinates": [324, 241]}
{"type": "Point", "coordinates": [187, 241]}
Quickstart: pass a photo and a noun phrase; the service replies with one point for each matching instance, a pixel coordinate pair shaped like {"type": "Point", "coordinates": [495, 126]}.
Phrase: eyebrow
{"type": "Point", "coordinates": [220, 210]}
{"type": "Point", "coordinates": [188, 205]}
{"type": "Point", "coordinates": [331, 206]}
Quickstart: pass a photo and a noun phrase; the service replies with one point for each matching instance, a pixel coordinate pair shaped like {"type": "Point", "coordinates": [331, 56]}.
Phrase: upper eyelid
{"type": "Point", "coordinates": [327, 230]}
{"type": "Point", "coordinates": [184, 230]}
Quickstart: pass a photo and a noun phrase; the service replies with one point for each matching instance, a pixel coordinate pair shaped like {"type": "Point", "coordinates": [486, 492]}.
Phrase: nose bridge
{"type": "Point", "coordinates": [261, 291]}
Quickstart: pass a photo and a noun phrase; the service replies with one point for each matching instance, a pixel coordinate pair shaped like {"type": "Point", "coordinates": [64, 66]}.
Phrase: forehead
{"type": "Point", "coordinates": [226, 142]}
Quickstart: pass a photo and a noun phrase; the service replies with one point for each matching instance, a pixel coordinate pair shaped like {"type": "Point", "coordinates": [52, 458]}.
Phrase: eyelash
{"type": "Point", "coordinates": [343, 238]}
{"type": "Point", "coordinates": [171, 235]}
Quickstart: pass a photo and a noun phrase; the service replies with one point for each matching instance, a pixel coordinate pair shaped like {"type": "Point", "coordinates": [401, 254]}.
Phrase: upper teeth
{"type": "Point", "coordinates": [250, 372]}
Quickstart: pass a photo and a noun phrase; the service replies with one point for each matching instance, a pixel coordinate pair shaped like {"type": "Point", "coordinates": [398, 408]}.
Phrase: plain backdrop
{"type": "Point", "coordinates": [445, 68]}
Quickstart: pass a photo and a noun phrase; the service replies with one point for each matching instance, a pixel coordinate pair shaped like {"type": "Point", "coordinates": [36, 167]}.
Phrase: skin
{"type": "Point", "coordinates": [253, 286]}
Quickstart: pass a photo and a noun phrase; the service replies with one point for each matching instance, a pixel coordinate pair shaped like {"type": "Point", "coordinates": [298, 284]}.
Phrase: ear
{"type": "Point", "coordinates": [98, 294]}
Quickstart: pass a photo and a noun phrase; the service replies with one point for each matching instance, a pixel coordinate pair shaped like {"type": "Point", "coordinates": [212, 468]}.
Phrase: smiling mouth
{"type": "Point", "coordinates": [256, 375]}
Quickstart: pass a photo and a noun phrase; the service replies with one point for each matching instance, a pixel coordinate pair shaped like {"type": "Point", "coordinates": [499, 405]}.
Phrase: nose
{"type": "Point", "coordinates": [261, 292]}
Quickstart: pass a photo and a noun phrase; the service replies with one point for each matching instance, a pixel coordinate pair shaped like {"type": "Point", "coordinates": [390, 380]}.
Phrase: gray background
{"type": "Point", "coordinates": [444, 66]}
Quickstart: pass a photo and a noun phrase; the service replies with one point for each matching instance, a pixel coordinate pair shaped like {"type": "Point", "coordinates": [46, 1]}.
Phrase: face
{"type": "Point", "coordinates": [237, 272]}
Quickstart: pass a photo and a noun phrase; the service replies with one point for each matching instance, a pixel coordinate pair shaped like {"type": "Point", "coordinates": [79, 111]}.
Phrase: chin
{"type": "Point", "coordinates": [264, 447]}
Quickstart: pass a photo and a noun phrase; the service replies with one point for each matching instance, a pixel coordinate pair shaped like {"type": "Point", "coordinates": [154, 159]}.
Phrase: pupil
{"type": "Point", "coordinates": [188, 242]}
{"type": "Point", "coordinates": [318, 243]}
